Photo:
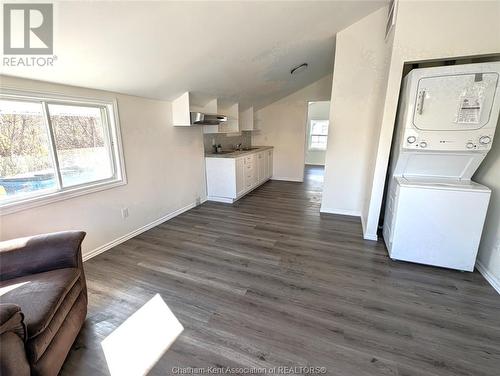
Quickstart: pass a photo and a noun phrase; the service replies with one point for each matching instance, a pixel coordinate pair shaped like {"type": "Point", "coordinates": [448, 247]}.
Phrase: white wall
{"type": "Point", "coordinates": [366, 82]}
{"type": "Point", "coordinates": [164, 165]}
{"type": "Point", "coordinates": [359, 83]}
{"type": "Point", "coordinates": [316, 111]}
{"type": "Point", "coordinates": [282, 124]}
{"type": "Point", "coordinates": [357, 157]}
{"type": "Point", "coordinates": [489, 249]}
{"type": "Point", "coordinates": [445, 30]}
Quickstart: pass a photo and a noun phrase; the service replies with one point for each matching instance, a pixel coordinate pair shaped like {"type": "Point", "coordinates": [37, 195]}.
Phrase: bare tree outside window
{"type": "Point", "coordinates": [25, 157]}
{"type": "Point", "coordinates": [80, 143]}
{"type": "Point", "coordinates": [81, 147]}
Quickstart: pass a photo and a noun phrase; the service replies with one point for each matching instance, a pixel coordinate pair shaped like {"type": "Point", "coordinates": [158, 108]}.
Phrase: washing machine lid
{"type": "Point", "coordinates": [441, 183]}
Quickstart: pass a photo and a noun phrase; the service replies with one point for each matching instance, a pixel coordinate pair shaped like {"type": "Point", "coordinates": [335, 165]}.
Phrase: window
{"type": "Point", "coordinates": [318, 134]}
{"type": "Point", "coordinates": [56, 148]}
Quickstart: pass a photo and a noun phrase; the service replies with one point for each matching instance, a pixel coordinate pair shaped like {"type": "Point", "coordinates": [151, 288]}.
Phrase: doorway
{"type": "Point", "coordinates": [318, 122]}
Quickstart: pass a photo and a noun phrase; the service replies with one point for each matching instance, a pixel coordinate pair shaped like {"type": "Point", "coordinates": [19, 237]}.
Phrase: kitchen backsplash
{"type": "Point", "coordinates": [227, 142]}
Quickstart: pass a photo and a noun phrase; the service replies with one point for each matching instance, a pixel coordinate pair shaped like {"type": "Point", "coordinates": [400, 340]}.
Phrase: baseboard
{"type": "Point", "coordinates": [492, 280]}
{"type": "Point", "coordinates": [373, 237]}
{"type": "Point", "coordinates": [281, 178]}
{"type": "Point", "coordinates": [224, 200]}
{"type": "Point", "coordinates": [352, 213]}
{"type": "Point", "coordinates": [366, 235]}
{"type": "Point", "coordinates": [140, 230]}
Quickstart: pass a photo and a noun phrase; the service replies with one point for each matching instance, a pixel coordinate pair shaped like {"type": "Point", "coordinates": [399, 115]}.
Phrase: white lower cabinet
{"type": "Point", "coordinates": [240, 176]}
{"type": "Point", "coordinates": [250, 171]}
{"type": "Point", "coordinates": [265, 163]}
{"type": "Point", "coordinates": [262, 165]}
{"type": "Point", "coordinates": [269, 163]}
{"type": "Point", "coordinates": [230, 178]}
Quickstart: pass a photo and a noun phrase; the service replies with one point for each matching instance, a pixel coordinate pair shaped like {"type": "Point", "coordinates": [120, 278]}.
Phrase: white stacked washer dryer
{"type": "Point", "coordinates": [434, 213]}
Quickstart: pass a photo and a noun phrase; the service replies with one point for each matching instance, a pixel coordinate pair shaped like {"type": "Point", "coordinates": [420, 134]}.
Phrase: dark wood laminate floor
{"type": "Point", "coordinates": [270, 282]}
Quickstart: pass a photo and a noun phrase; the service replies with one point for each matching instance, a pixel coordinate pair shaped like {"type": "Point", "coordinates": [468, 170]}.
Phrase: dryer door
{"type": "Point", "coordinates": [455, 102]}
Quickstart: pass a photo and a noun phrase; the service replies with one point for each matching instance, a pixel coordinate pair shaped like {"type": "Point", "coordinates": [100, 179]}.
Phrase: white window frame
{"type": "Point", "coordinates": [119, 178]}
{"type": "Point", "coordinates": [309, 139]}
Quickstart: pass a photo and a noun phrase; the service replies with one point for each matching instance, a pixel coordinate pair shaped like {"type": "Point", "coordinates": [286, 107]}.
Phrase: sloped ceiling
{"type": "Point", "coordinates": [236, 50]}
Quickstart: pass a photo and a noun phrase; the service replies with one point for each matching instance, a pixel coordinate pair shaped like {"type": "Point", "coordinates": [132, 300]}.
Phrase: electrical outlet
{"type": "Point", "coordinates": [124, 213]}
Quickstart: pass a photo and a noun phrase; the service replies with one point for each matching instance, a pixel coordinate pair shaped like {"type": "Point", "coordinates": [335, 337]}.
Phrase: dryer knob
{"type": "Point", "coordinates": [469, 145]}
{"type": "Point", "coordinates": [411, 139]}
{"type": "Point", "coordinates": [423, 144]}
{"type": "Point", "coordinates": [485, 140]}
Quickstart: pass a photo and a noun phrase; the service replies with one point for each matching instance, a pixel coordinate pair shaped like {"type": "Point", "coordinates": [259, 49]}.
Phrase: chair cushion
{"type": "Point", "coordinates": [39, 296]}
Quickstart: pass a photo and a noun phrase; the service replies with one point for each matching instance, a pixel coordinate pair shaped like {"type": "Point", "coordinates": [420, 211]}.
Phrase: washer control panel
{"type": "Point", "coordinates": [447, 141]}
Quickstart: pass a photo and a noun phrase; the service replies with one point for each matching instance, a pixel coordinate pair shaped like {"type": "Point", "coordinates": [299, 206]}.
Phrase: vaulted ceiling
{"type": "Point", "coordinates": [237, 50]}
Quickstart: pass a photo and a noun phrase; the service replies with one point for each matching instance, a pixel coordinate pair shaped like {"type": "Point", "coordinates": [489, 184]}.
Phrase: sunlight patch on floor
{"type": "Point", "coordinates": [136, 345]}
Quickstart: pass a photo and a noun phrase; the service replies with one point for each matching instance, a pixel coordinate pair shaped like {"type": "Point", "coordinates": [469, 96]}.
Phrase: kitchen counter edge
{"type": "Point", "coordinates": [238, 153]}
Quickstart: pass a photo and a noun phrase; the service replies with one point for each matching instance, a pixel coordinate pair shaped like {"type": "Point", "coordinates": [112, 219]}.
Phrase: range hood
{"type": "Point", "coordinates": [206, 119]}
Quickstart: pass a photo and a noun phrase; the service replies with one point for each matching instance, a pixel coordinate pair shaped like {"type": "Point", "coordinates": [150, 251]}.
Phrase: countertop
{"type": "Point", "coordinates": [238, 153]}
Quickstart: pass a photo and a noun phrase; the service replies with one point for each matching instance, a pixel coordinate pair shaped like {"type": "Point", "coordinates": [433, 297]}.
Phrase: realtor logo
{"type": "Point", "coordinates": [28, 29]}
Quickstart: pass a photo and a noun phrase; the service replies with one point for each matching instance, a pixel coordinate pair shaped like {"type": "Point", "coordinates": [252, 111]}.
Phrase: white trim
{"type": "Point", "coordinates": [489, 276]}
{"type": "Point", "coordinates": [35, 94]}
{"type": "Point", "coordinates": [116, 150]}
{"type": "Point", "coordinates": [281, 178]}
{"type": "Point", "coordinates": [52, 197]}
{"type": "Point", "coordinates": [351, 213]}
{"type": "Point", "coordinates": [372, 237]}
{"type": "Point", "coordinates": [366, 235]}
{"type": "Point", "coordinates": [140, 230]}
{"type": "Point", "coordinates": [225, 200]}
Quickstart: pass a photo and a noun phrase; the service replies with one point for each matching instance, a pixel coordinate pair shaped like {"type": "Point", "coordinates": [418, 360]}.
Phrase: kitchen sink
{"type": "Point", "coordinates": [234, 151]}
{"type": "Point", "coordinates": [224, 152]}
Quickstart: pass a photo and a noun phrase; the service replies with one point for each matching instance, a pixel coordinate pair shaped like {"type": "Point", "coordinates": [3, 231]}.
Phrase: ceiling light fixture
{"type": "Point", "coordinates": [299, 68]}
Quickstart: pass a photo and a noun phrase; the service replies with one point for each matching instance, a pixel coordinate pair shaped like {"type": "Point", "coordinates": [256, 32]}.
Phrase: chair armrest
{"type": "Point", "coordinates": [12, 320]}
{"type": "Point", "coordinates": [40, 253]}
{"type": "Point", "coordinates": [13, 359]}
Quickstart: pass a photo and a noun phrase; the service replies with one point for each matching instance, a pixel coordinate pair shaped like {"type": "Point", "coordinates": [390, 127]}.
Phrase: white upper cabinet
{"type": "Point", "coordinates": [229, 109]}
{"type": "Point", "coordinates": [247, 120]}
{"type": "Point", "coordinates": [237, 120]}
{"type": "Point", "coordinates": [181, 110]}
{"type": "Point", "coordinates": [191, 102]}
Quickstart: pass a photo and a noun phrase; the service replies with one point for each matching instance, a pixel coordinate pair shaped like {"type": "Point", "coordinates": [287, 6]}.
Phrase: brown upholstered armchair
{"type": "Point", "coordinates": [43, 302]}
